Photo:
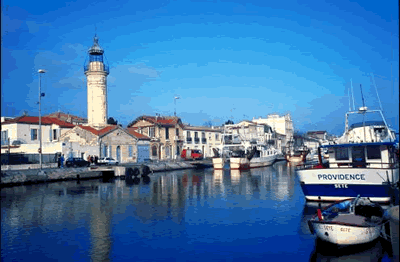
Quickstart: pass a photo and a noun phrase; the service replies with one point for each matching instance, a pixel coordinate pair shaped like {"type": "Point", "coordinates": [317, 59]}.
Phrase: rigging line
{"type": "Point", "coordinates": [348, 95]}
{"type": "Point", "coordinates": [376, 89]}
{"type": "Point", "coordinates": [352, 93]}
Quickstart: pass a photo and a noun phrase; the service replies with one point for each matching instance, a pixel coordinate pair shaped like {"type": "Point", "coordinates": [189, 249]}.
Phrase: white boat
{"type": "Point", "coordinates": [361, 162]}
{"type": "Point", "coordinates": [245, 145]}
{"type": "Point", "coordinates": [350, 222]}
{"type": "Point", "coordinates": [258, 156]}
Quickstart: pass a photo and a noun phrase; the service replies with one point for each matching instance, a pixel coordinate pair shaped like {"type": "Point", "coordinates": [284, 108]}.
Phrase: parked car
{"type": "Point", "coordinates": [107, 161]}
{"type": "Point", "coordinates": [75, 162]}
{"type": "Point", "coordinates": [191, 154]}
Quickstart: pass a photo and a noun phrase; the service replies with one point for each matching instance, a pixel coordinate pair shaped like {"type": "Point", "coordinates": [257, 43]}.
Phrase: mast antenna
{"type": "Point", "coordinates": [352, 93]}
{"type": "Point", "coordinates": [362, 96]}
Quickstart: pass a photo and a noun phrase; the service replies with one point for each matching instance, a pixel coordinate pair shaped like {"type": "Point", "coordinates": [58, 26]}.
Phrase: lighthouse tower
{"type": "Point", "coordinates": [96, 72]}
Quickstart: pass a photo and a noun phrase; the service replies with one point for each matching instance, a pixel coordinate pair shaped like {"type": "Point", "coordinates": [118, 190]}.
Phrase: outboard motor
{"type": "Point", "coordinates": [145, 171]}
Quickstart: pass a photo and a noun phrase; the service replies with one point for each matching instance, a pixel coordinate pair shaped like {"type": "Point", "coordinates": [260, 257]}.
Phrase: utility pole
{"type": "Point", "coordinates": [40, 71]}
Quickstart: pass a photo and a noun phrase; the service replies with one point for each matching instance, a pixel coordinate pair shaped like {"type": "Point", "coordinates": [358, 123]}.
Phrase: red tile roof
{"type": "Point", "coordinates": [131, 130]}
{"type": "Point", "coordinates": [64, 116]}
{"type": "Point", "coordinates": [99, 132]}
{"type": "Point", "coordinates": [35, 120]}
{"type": "Point", "coordinates": [160, 120]}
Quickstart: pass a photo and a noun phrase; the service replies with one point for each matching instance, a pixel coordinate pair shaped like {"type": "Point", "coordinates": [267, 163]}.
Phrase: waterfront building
{"type": "Point", "coordinates": [110, 141]}
{"type": "Point", "coordinates": [21, 134]}
{"type": "Point", "coordinates": [202, 138]}
{"type": "Point", "coordinates": [282, 125]}
{"type": "Point", "coordinates": [165, 132]}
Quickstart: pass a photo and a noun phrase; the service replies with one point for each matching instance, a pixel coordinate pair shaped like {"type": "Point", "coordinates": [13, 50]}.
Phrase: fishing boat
{"type": "Point", "coordinates": [361, 162]}
{"type": "Point", "coordinates": [246, 145]}
{"type": "Point", "coordinates": [253, 157]}
{"type": "Point", "coordinates": [349, 222]}
{"type": "Point", "coordinates": [296, 151]}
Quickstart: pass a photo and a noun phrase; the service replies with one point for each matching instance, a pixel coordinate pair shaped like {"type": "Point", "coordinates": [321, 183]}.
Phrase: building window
{"type": "Point", "coordinates": [177, 131]}
{"type": "Point", "coordinates": [54, 134]}
{"type": "Point", "coordinates": [187, 133]}
{"type": "Point", "coordinates": [166, 133]}
{"type": "Point", "coordinates": [196, 135]}
{"type": "Point", "coordinates": [34, 134]}
{"type": "Point", "coordinates": [105, 151]}
{"type": "Point", "coordinates": [152, 131]}
{"type": "Point", "coordinates": [154, 150]}
{"type": "Point", "coordinates": [216, 137]}
{"type": "Point", "coordinates": [130, 150]}
{"type": "Point", "coordinates": [167, 151]}
{"type": "Point", "coordinates": [4, 137]}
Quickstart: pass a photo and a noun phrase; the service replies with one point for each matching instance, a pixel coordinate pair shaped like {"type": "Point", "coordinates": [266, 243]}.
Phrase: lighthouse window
{"type": "Point", "coordinates": [373, 152]}
{"type": "Point", "coordinates": [342, 153]}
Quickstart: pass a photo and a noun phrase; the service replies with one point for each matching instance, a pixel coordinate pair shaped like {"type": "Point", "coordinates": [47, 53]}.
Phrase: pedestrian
{"type": "Point", "coordinates": [91, 160]}
{"type": "Point", "coordinates": [59, 161]}
{"type": "Point", "coordinates": [88, 158]}
{"type": "Point", "coordinates": [96, 159]}
{"type": "Point", "coordinates": [62, 161]}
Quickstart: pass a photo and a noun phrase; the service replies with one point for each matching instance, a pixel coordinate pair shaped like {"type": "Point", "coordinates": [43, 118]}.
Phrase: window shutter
{"type": "Point", "coordinates": [50, 135]}
{"type": "Point", "coordinates": [31, 134]}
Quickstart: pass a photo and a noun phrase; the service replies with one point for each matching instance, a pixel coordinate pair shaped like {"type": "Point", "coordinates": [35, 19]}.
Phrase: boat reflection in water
{"type": "Point", "coordinates": [191, 215]}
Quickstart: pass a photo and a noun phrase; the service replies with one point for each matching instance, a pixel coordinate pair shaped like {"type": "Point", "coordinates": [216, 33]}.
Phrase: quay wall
{"type": "Point", "coordinates": [34, 176]}
{"type": "Point", "coordinates": [30, 174]}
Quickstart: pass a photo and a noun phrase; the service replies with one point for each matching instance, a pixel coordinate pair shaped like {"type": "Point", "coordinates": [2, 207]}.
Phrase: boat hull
{"type": "Point", "coordinates": [345, 234]}
{"type": "Point", "coordinates": [244, 163]}
{"type": "Point", "coordinates": [341, 183]}
{"type": "Point", "coordinates": [218, 163]}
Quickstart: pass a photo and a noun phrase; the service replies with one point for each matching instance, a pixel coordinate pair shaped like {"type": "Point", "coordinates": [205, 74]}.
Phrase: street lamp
{"type": "Point", "coordinates": [40, 71]}
{"type": "Point", "coordinates": [176, 97]}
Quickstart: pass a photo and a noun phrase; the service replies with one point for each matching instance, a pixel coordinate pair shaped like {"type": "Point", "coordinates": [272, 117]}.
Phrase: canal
{"type": "Point", "coordinates": [187, 215]}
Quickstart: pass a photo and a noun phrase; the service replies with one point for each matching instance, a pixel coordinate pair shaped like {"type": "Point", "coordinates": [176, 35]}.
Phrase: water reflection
{"type": "Point", "coordinates": [190, 215]}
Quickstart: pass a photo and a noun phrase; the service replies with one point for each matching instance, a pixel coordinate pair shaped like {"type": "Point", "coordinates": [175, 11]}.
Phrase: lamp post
{"type": "Point", "coordinates": [176, 97]}
{"type": "Point", "coordinates": [40, 71]}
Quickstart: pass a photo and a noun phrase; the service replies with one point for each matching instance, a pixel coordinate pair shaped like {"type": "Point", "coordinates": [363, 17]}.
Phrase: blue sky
{"type": "Point", "coordinates": [225, 59]}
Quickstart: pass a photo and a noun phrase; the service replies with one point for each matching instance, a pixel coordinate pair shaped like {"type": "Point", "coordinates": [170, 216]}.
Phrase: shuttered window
{"type": "Point", "coordinates": [50, 135]}
{"type": "Point", "coordinates": [34, 134]}
{"type": "Point", "coordinates": [130, 151]}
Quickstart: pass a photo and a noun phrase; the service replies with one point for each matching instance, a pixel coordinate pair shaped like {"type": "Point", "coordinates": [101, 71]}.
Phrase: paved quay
{"type": "Point", "coordinates": [25, 175]}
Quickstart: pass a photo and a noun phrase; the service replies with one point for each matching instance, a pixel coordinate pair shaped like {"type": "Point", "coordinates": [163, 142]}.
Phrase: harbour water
{"type": "Point", "coordinates": [187, 215]}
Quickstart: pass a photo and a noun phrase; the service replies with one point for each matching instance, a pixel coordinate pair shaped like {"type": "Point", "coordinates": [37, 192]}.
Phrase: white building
{"type": "Point", "coordinates": [203, 138]}
{"type": "Point", "coordinates": [21, 134]}
{"type": "Point", "coordinates": [280, 124]}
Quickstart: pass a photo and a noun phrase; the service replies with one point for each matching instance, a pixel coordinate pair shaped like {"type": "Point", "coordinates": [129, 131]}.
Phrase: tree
{"type": "Point", "coordinates": [112, 121]}
{"type": "Point", "coordinates": [208, 123]}
{"type": "Point", "coordinates": [229, 122]}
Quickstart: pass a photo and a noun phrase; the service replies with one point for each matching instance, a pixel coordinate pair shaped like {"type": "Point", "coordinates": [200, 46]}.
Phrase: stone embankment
{"type": "Point", "coordinates": [32, 175]}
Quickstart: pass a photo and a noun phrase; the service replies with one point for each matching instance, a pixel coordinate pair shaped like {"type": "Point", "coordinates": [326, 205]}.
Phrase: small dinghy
{"type": "Point", "coordinates": [349, 222]}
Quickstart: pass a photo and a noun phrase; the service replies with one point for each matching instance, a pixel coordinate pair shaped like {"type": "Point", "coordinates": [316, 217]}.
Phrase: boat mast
{"type": "Point", "coordinates": [363, 112]}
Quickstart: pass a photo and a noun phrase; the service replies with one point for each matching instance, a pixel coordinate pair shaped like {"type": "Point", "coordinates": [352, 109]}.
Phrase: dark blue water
{"type": "Point", "coordinates": [190, 215]}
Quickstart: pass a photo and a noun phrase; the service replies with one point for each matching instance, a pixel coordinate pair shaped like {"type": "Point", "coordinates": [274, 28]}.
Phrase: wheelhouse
{"type": "Point", "coordinates": [362, 155]}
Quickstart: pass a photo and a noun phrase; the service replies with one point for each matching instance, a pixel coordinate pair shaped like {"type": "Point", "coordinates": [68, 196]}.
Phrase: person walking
{"type": "Point", "coordinates": [62, 161]}
{"type": "Point", "coordinates": [59, 161]}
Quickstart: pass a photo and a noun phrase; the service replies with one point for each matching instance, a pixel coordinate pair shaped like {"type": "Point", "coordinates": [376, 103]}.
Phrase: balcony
{"type": "Point", "coordinates": [204, 140]}
{"type": "Point", "coordinates": [196, 140]}
{"type": "Point", "coordinates": [189, 140]}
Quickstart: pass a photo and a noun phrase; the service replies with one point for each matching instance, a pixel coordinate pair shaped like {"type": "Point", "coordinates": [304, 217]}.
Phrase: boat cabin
{"type": "Point", "coordinates": [362, 155]}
